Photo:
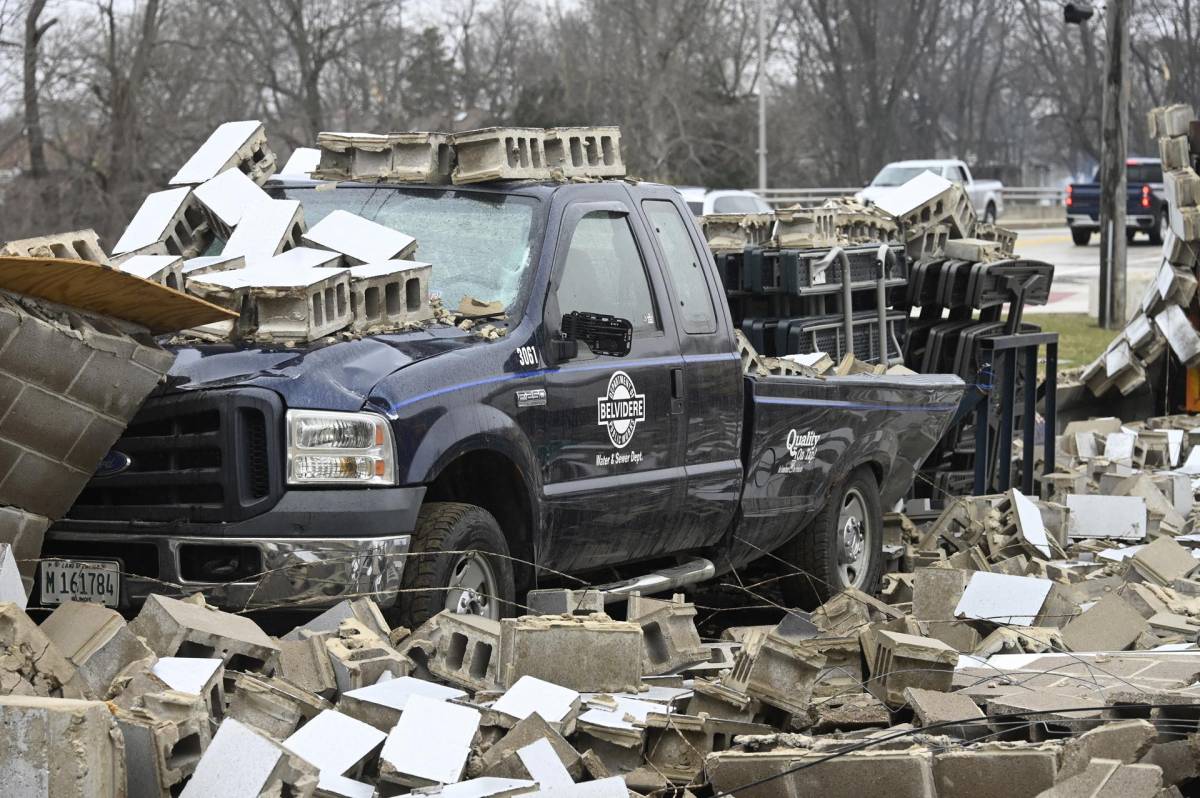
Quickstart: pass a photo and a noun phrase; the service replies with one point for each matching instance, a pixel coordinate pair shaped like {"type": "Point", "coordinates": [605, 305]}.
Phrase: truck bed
{"type": "Point", "coordinates": [803, 435]}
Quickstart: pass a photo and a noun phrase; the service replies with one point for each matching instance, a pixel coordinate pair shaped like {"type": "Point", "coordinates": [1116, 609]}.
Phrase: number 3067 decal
{"type": "Point", "coordinates": [527, 356]}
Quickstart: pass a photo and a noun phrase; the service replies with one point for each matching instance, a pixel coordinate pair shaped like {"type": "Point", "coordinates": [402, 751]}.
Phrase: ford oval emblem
{"type": "Point", "coordinates": [113, 463]}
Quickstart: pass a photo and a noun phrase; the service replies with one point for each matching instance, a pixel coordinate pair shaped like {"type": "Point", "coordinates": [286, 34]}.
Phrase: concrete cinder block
{"type": "Point", "coordinates": [500, 153]}
{"type": "Point", "coordinates": [389, 294]}
{"type": "Point", "coordinates": [585, 151]}
{"type": "Point", "coordinates": [360, 657]}
{"type": "Point", "coordinates": [804, 228]}
{"type": "Point", "coordinates": [1120, 517]}
{"type": "Point", "coordinates": [420, 158]}
{"type": "Point", "coordinates": [359, 240]}
{"type": "Point", "coordinates": [558, 706]}
{"type": "Point", "coordinates": [1164, 561]}
{"type": "Point", "coordinates": [233, 145]}
{"type": "Point", "coordinates": [164, 740]}
{"type": "Point", "coordinates": [905, 661]}
{"type": "Point", "coordinates": [241, 763]}
{"type": "Point", "coordinates": [1175, 153]}
{"type": "Point", "coordinates": [1182, 187]}
{"type": "Point", "coordinates": [274, 707]}
{"type": "Point", "coordinates": [30, 656]}
{"type": "Point", "coordinates": [853, 775]}
{"type": "Point", "coordinates": [1110, 624]}
{"type": "Point", "coordinates": [972, 249]}
{"type": "Point", "coordinates": [1185, 223]}
{"type": "Point", "coordinates": [353, 156]}
{"type": "Point", "coordinates": [381, 704]}
{"type": "Point", "coordinates": [1170, 120]}
{"type": "Point", "coordinates": [227, 198]}
{"type": "Point", "coordinates": [364, 610]}
{"type": "Point", "coordinates": [75, 245]}
{"type": "Point", "coordinates": [198, 676]}
{"type": "Point", "coordinates": [497, 761]}
{"type": "Point", "coordinates": [95, 640]}
{"type": "Point", "coordinates": [305, 663]}
{"type": "Point", "coordinates": [669, 635]}
{"type": "Point", "coordinates": [169, 222]}
{"type": "Point", "coordinates": [586, 654]}
{"type": "Point", "coordinates": [336, 744]}
{"type": "Point", "coordinates": [266, 229]}
{"type": "Point", "coordinates": [173, 628]}
{"type": "Point", "coordinates": [783, 672]}
{"type": "Point", "coordinates": [430, 744]}
{"type": "Point", "coordinates": [995, 770]}
{"type": "Point", "coordinates": [468, 651]}
{"type": "Point", "coordinates": [59, 748]}
{"type": "Point", "coordinates": [23, 532]}
{"type": "Point", "coordinates": [290, 297]}
{"type": "Point", "coordinates": [162, 269]}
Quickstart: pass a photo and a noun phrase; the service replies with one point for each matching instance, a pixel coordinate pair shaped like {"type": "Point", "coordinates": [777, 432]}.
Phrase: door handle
{"type": "Point", "coordinates": [677, 390]}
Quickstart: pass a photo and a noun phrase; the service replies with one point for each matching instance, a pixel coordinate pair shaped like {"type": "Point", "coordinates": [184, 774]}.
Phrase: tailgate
{"type": "Point", "coordinates": [1085, 200]}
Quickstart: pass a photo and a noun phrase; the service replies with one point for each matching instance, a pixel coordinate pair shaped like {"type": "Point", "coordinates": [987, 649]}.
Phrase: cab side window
{"type": "Point", "coordinates": [604, 273]}
{"type": "Point", "coordinates": [695, 312]}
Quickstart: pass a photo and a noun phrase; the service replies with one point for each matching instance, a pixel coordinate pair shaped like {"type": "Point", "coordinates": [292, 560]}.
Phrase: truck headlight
{"type": "Point", "coordinates": [328, 448]}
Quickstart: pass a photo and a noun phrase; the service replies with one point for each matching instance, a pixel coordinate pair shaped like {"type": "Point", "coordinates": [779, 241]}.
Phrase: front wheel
{"type": "Point", "coordinates": [989, 213]}
{"type": "Point", "coordinates": [1159, 231]}
{"type": "Point", "coordinates": [1081, 236]}
{"type": "Point", "coordinates": [459, 562]}
{"type": "Point", "coordinates": [841, 548]}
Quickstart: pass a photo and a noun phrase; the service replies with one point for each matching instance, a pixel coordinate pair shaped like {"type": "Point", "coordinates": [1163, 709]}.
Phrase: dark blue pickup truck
{"type": "Point", "coordinates": [611, 431]}
{"type": "Point", "coordinates": [1146, 210]}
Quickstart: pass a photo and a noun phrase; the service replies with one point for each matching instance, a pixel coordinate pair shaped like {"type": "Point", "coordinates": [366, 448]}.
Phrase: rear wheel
{"type": "Point", "coordinates": [458, 562]}
{"type": "Point", "coordinates": [1130, 234]}
{"type": "Point", "coordinates": [1082, 237]}
{"type": "Point", "coordinates": [989, 213]}
{"type": "Point", "coordinates": [1159, 231]}
{"type": "Point", "coordinates": [842, 547]}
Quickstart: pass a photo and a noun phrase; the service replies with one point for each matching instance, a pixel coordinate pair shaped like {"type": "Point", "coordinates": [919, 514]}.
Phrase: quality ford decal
{"type": "Point", "coordinates": [802, 448]}
{"type": "Point", "coordinates": [620, 409]}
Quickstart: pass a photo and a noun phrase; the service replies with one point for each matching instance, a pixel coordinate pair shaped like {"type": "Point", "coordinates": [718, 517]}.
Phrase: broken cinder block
{"type": "Point", "coordinates": [233, 145]}
{"type": "Point", "coordinates": [75, 245]}
{"type": "Point", "coordinates": [169, 222]}
{"type": "Point", "coordinates": [59, 748]}
{"type": "Point", "coordinates": [173, 628]}
{"type": "Point", "coordinates": [585, 151]}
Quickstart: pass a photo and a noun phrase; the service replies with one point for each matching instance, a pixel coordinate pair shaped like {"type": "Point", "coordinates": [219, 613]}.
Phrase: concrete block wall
{"type": "Point", "coordinates": [75, 245]}
{"type": "Point", "coordinates": [67, 391]}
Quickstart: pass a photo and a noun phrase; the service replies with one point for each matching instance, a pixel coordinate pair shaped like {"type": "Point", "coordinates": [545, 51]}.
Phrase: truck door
{"type": "Point", "coordinates": [711, 373]}
{"type": "Point", "coordinates": [613, 447]}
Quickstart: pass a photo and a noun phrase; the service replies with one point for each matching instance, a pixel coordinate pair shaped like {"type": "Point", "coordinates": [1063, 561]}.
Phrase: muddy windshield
{"type": "Point", "coordinates": [479, 243]}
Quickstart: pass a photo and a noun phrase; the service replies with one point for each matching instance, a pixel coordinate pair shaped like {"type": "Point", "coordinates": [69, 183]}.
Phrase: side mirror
{"type": "Point", "coordinates": [604, 335]}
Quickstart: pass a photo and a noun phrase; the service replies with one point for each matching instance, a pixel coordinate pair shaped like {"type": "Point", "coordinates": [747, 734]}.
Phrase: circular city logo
{"type": "Point", "coordinates": [620, 409]}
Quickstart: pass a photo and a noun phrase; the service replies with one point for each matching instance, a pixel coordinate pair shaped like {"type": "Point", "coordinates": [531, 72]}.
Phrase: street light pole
{"type": "Point", "coordinates": [1113, 143]}
{"type": "Point", "coordinates": [762, 95]}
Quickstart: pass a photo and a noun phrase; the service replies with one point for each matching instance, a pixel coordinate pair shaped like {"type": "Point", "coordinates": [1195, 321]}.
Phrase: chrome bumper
{"type": "Point", "coordinates": [297, 573]}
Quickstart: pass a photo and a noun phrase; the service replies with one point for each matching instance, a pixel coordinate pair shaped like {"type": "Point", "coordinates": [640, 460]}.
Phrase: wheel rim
{"type": "Point", "coordinates": [473, 587]}
{"type": "Point", "coordinates": [854, 539]}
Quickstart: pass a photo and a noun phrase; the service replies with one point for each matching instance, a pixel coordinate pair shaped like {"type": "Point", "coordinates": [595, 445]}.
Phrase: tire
{"type": "Point", "coordinates": [817, 551]}
{"type": "Point", "coordinates": [989, 213]}
{"type": "Point", "coordinates": [1160, 230]}
{"type": "Point", "coordinates": [1081, 236]}
{"type": "Point", "coordinates": [1130, 234]}
{"type": "Point", "coordinates": [429, 573]}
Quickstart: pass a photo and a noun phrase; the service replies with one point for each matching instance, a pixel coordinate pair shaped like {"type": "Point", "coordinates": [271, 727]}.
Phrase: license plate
{"type": "Point", "coordinates": [81, 580]}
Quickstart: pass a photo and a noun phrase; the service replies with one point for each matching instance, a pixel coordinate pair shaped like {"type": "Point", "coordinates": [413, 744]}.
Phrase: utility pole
{"type": "Point", "coordinates": [762, 95]}
{"type": "Point", "coordinates": [1114, 135]}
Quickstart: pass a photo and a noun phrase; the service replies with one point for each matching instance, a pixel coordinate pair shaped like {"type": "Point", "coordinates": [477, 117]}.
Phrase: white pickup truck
{"type": "Point", "coordinates": [985, 194]}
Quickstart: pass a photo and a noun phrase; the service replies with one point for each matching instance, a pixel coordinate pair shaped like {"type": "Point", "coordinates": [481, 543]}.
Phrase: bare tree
{"type": "Point", "coordinates": [35, 139]}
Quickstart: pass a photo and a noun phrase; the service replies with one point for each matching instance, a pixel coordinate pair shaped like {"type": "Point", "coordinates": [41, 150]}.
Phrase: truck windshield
{"type": "Point", "coordinates": [898, 175]}
{"type": "Point", "coordinates": [479, 243]}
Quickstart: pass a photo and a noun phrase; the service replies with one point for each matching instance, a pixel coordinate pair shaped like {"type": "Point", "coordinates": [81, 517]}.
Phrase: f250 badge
{"type": "Point", "coordinates": [802, 448]}
{"type": "Point", "coordinates": [620, 409]}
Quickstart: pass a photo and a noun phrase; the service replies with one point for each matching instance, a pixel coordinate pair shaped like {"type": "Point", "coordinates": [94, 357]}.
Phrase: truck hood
{"type": "Point", "coordinates": [336, 376]}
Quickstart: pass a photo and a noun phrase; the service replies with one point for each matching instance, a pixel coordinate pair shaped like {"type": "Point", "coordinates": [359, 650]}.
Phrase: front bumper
{"type": "Point", "coordinates": [314, 549]}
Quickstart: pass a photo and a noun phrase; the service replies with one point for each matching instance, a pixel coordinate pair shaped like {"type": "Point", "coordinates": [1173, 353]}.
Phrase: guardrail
{"type": "Point", "coordinates": [1013, 195]}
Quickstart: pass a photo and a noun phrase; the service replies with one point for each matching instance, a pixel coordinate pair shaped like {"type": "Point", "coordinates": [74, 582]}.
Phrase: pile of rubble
{"type": "Point", "coordinates": [1161, 320]}
{"type": "Point", "coordinates": [1025, 648]}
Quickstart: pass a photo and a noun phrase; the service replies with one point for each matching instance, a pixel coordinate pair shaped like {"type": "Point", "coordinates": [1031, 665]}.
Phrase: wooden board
{"type": "Point", "coordinates": [108, 291]}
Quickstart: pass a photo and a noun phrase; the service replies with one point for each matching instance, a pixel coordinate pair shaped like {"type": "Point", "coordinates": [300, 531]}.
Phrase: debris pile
{"type": "Point", "coordinates": [1161, 320]}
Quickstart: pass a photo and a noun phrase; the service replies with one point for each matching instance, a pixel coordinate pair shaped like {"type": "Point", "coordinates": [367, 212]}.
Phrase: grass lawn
{"type": "Point", "coordinates": [1080, 341]}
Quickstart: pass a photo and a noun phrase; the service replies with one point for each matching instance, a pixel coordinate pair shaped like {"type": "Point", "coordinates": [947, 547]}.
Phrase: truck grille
{"type": "Point", "coordinates": [207, 456]}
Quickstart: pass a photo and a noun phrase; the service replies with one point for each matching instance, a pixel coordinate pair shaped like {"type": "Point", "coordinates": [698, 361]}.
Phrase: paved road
{"type": "Point", "coordinates": [1077, 269]}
